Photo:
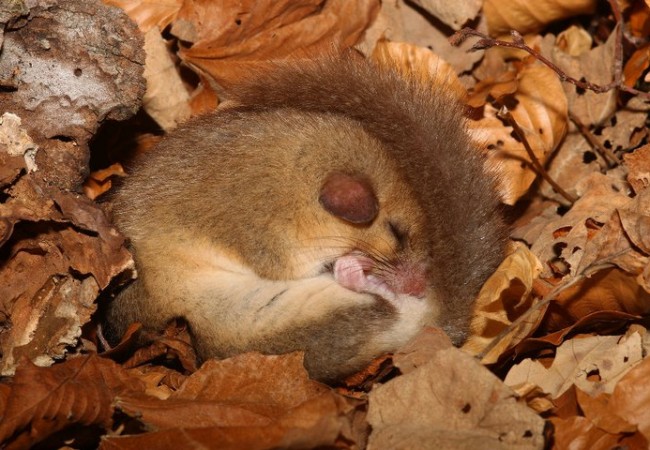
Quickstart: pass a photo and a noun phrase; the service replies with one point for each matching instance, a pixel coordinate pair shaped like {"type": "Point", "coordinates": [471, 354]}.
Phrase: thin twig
{"type": "Point", "coordinates": [533, 158]}
{"type": "Point", "coordinates": [518, 42]}
{"type": "Point", "coordinates": [610, 157]}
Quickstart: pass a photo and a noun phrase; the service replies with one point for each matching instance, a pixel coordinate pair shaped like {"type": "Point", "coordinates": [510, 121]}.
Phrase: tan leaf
{"type": "Point", "coordinates": [595, 65]}
{"type": "Point", "coordinates": [527, 17]}
{"type": "Point", "coordinates": [450, 402]}
{"type": "Point", "coordinates": [504, 297]}
{"type": "Point", "coordinates": [605, 358]}
{"type": "Point", "coordinates": [403, 22]}
{"type": "Point", "coordinates": [166, 99]}
{"type": "Point", "coordinates": [638, 164]}
{"type": "Point", "coordinates": [149, 14]}
{"type": "Point", "coordinates": [563, 239]}
{"type": "Point", "coordinates": [453, 14]}
{"type": "Point", "coordinates": [574, 41]}
{"type": "Point", "coordinates": [541, 112]}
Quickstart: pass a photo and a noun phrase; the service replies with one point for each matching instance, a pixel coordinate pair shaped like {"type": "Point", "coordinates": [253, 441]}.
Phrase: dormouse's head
{"type": "Point", "coordinates": [354, 214]}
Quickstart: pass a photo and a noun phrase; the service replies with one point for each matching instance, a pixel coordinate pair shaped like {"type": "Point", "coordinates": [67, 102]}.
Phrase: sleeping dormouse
{"type": "Point", "coordinates": [333, 207]}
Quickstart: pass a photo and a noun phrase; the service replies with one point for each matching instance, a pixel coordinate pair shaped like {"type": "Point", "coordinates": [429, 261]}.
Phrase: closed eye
{"type": "Point", "coordinates": [399, 233]}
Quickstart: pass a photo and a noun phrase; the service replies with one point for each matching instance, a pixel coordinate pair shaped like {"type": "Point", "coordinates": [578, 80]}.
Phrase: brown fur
{"type": "Point", "coordinates": [231, 231]}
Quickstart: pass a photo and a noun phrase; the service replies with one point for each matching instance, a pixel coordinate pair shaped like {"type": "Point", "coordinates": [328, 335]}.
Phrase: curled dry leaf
{"type": "Point", "coordinates": [42, 401]}
{"type": "Point", "coordinates": [236, 403]}
{"type": "Point", "coordinates": [631, 397]}
{"type": "Point", "coordinates": [504, 297]}
{"type": "Point", "coordinates": [594, 364]}
{"type": "Point", "coordinates": [166, 99]}
{"type": "Point", "coordinates": [402, 22]}
{"type": "Point", "coordinates": [421, 64]}
{"type": "Point", "coordinates": [100, 181]}
{"type": "Point", "coordinates": [454, 14]}
{"type": "Point", "coordinates": [450, 402]}
{"type": "Point", "coordinates": [574, 41]}
{"type": "Point", "coordinates": [596, 66]}
{"type": "Point", "coordinates": [149, 14]}
{"type": "Point", "coordinates": [540, 111]}
{"type": "Point", "coordinates": [61, 251]}
{"type": "Point", "coordinates": [607, 293]}
{"type": "Point", "coordinates": [638, 164]}
{"type": "Point", "coordinates": [528, 17]}
{"type": "Point", "coordinates": [229, 39]}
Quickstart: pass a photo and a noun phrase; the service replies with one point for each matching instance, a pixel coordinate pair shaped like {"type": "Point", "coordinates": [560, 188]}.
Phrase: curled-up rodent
{"type": "Point", "coordinates": [335, 207]}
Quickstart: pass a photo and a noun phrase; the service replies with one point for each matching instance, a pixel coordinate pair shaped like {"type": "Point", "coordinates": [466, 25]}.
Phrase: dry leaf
{"type": "Point", "coordinates": [453, 14]}
{"type": "Point", "coordinates": [541, 112]}
{"type": "Point", "coordinates": [45, 400]}
{"type": "Point", "coordinates": [149, 14]}
{"type": "Point", "coordinates": [504, 297]}
{"type": "Point", "coordinates": [594, 364]}
{"type": "Point", "coordinates": [166, 99]}
{"type": "Point", "coordinates": [450, 402]}
{"type": "Point", "coordinates": [527, 17]}
{"type": "Point", "coordinates": [638, 164]}
{"type": "Point", "coordinates": [249, 401]}
{"type": "Point", "coordinates": [631, 397]}
{"type": "Point", "coordinates": [398, 21]}
{"type": "Point", "coordinates": [230, 39]}
{"type": "Point", "coordinates": [595, 66]}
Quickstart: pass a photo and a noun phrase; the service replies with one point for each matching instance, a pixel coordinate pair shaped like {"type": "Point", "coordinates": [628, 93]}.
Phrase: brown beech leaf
{"type": "Point", "coordinates": [636, 66]}
{"type": "Point", "coordinates": [631, 397]}
{"type": "Point", "coordinates": [580, 433]}
{"type": "Point", "coordinates": [453, 14]}
{"type": "Point", "coordinates": [99, 181]}
{"type": "Point", "coordinates": [528, 17]}
{"type": "Point", "coordinates": [504, 297]}
{"type": "Point", "coordinates": [421, 349]}
{"type": "Point", "coordinates": [149, 14]}
{"type": "Point", "coordinates": [45, 400]}
{"type": "Point", "coordinates": [228, 39]}
{"type": "Point", "coordinates": [61, 253]}
{"type": "Point", "coordinates": [541, 112]}
{"type": "Point", "coordinates": [450, 402]}
{"type": "Point", "coordinates": [562, 239]}
{"type": "Point", "coordinates": [607, 292]}
{"type": "Point", "coordinates": [404, 22]}
{"type": "Point", "coordinates": [595, 65]}
{"type": "Point", "coordinates": [594, 364]}
{"type": "Point", "coordinates": [248, 401]}
{"type": "Point", "coordinates": [597, 409]}
{"type": "Point", "coordinates": [638, 164]}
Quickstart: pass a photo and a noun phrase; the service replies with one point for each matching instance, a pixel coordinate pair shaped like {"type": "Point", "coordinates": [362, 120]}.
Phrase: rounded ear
{"type": "Point", "coordinates": [349, 197]}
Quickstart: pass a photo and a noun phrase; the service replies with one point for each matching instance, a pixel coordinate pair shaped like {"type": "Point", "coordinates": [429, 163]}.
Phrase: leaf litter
{"type": "Point", "coordinates": [559, 333]}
